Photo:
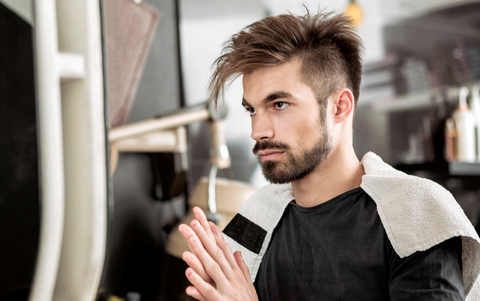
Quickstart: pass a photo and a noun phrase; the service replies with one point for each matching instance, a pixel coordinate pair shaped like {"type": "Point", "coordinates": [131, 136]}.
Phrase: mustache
{"type": "Point", "coordinates": [261, 145]}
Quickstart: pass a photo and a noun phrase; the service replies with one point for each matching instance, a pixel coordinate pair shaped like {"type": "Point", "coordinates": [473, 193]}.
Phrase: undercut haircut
{"type": "Point", "coordinates": [327, 45]}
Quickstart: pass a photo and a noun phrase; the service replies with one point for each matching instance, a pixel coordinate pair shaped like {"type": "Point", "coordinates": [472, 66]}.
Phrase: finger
{"type": "Point", "coordinates": [243, 266]}
{"type": "Point", "coordinates": [213, 248]}
{"type": "Point", "coordinates": [227, 251]}
{"type": "Point", "coordinates": [186, 232]}
{"type": "Point", "coordinates": [215, 230]}
{"type": "Point", "coordinates": [197, 266]}
{"type": "Point", "coordinates": [190, 258]}
{"type": "Point", "coordinates": [213, 260]}
{"type": "Point", "coordinates": [194, 293]}
{"type": "Point", "coordinates": [206, 291]}
{"type": "Point", "coordinates": [202, 218]}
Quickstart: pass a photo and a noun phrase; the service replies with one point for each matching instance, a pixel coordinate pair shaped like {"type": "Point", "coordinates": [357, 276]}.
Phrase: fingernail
{"type": "Point", "coordinates": [185, 228]}
{"type": "Point", "coordinates": [198, 212]}
{"type": "Point", "coordinates": [195, 224]}
{"type": "Point", "coordinates": [195, 211]}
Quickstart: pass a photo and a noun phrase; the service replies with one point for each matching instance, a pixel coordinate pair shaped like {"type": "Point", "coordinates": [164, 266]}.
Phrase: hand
{"type": "Point", "coordinates": [215, 272]}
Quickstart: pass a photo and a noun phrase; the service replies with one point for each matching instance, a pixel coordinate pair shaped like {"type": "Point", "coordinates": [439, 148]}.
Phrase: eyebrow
{"type": "Point", "coordinates": [270, 97]}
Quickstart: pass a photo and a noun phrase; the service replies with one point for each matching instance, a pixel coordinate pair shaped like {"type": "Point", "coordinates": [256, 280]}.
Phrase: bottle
{"type": "Point", "coordinates": [475, 107]}
{"type": "Point", "coordinates": [450, 140]}
{"type": "Point", "coordinates": [465, 125]}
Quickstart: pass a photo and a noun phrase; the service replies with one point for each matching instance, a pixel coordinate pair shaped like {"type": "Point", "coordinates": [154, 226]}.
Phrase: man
{"type": "Point", "coordinates": [330, 227]}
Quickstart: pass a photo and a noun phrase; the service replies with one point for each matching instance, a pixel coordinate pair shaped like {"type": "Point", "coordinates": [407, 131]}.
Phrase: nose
{"type": "Point", "coordinates": [262, 128]}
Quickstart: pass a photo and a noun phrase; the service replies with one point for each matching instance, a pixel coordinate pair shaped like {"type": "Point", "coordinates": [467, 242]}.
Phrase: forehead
{"type": "Point", "coordinates": [284, 78]}
{"type": "Point", "coordinates": [271, 77]}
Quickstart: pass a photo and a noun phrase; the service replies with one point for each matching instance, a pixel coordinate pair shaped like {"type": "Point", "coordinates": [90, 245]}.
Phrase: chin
{"type": "Point", "coordinates": [276, 175]}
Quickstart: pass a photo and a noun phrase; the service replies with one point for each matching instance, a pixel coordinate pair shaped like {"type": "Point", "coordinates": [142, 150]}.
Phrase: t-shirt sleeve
{"type": "Point", "coordinates": [434, 274]}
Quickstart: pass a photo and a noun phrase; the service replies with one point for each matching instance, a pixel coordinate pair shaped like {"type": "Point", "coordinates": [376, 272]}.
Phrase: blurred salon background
{"type": "Point", "coordinates": [107, 142]}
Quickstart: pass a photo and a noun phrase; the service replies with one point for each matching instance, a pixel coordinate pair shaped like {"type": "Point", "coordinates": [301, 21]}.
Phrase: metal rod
{"type": "Point", "coordinates": [212, 205]}
{"type": "Point", "coordinates": [152, 125]}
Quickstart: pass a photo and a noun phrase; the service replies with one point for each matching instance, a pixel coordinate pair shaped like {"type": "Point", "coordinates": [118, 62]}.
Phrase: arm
{"type": "Point", "coordinates": [215, 272]}
{"type": "Point", "coordinates": [434, 274]}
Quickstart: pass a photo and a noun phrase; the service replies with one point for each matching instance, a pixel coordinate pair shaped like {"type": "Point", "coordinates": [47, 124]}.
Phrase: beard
{"type": "Point", "coordinates": [295, 166]}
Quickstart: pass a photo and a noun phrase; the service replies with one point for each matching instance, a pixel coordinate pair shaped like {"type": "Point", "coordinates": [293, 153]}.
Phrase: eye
{"type": "Point", "coordinates": [281, 105]}
{"type": "Point", "coordinates": [251, 111]}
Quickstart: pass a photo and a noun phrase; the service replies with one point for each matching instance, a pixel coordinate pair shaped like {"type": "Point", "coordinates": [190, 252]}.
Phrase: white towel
{"type": "Point", "coordinates": [416, 213]}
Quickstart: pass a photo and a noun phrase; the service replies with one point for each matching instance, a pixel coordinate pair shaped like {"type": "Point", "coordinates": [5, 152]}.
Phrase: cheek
{"type": "Point", "coordinates": [311, 124]}
{"type": "Point", "coordinates": [302, 131]}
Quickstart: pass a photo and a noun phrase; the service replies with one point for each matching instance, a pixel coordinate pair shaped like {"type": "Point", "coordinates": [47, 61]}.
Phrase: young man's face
{"type": "Point", "coordinates": [291, 140]}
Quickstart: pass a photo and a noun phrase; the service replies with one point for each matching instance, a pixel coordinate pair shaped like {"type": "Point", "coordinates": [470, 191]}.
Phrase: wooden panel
{"type": "Point", "coordinates": [130, 29]}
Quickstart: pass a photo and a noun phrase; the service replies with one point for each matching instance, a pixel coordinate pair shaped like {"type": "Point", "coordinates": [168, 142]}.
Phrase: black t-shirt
{"type": "Point", "coordinates": [339, 250]}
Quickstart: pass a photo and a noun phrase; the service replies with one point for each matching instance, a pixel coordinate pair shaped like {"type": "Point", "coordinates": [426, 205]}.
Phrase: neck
{"type": "Point", "coordinates": [340, 173]}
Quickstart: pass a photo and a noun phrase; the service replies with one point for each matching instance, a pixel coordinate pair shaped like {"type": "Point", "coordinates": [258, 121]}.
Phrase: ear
{"type": "Point", "coordinates": [344, 103]}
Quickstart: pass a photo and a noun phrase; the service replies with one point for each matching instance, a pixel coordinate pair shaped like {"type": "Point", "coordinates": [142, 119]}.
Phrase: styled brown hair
{"type": "Point", "coordinates": [327, 45]}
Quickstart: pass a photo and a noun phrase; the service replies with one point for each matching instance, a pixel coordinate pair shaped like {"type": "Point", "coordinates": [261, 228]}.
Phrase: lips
{"type": "Point", "coordinates": [268, 155]}
{"type": "Point", "coordinates": [267, 150]}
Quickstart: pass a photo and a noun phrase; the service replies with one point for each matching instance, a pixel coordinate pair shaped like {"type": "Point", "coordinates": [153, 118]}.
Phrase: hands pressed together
{"type": "Point", "coordinates": [214, 271]}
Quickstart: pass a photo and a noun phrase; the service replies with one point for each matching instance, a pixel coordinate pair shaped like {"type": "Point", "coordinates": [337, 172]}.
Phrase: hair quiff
{"type": "Point", "coordinates": [327, 45]}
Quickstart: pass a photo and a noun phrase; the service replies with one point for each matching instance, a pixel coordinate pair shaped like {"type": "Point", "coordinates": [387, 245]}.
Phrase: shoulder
{"type": "Point", "coordinates": [416, 213]}
{"type": "Point", "coordinates": [389, 186]}
{"type": "Point", "coordinates": [433, 274]}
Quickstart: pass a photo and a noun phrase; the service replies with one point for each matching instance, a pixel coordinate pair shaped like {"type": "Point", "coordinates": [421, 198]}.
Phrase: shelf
{"type": "Point", "coordinates": [464, 169]}
{"type": "Point", "coordinates": [414, 101]}
{"type": "Point", "coordinates": [442, 168]}
{"type": "Point", "coordinates": [165, 141]}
